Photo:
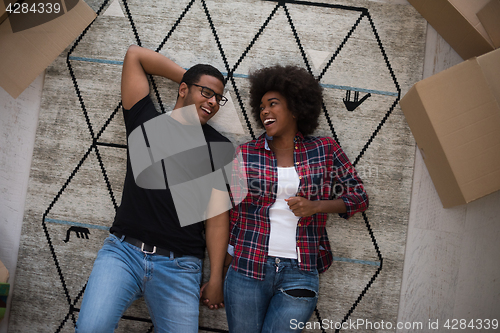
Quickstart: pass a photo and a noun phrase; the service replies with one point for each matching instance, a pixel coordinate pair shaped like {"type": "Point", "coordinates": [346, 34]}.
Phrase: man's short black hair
{"type": "Point", "coordinates": [194, 74]}
{"type": "Point", "coordinates": [303, 93]}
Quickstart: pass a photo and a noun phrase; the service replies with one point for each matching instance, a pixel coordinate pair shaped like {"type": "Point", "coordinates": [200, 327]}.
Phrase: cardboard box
{"type": "Point", "coordinates": [30, 41]}
{"type": "Point", "coordinates": [4, 273]}
{"type": "Point", "coordinates": [489, 17]}
{"type": "Point", "coordinates": [456, 21]}
{"type": "Point", "coordinates": [455, 119]}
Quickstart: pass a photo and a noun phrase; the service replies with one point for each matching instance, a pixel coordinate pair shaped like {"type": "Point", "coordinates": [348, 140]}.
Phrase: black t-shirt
{"type": "Point", "coordinates": [150, 214]}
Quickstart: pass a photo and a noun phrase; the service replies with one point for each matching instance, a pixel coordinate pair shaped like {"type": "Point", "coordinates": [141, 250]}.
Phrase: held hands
{"type": "Point", "coordinates": [302, 207]}
{"type": "Point", "coordinates": [211, 295]}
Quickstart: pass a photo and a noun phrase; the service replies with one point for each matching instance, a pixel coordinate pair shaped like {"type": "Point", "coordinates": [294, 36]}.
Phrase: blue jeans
{"type": "Point", "coordinates": [122, 274]}
{"type": "Point", "coordinates": [255, 306]}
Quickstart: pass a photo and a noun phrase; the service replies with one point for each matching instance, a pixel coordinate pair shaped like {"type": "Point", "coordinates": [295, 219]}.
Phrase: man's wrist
{"type": "Point", "coordinates": [215, 277]}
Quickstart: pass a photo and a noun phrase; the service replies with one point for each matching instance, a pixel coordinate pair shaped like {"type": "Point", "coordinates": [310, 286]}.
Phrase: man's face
{"type": "Point", "coordinates": [205, 107]}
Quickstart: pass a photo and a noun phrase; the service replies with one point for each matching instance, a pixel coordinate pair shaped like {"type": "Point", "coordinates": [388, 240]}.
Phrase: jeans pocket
{"type": "Point", "coordinates": [188, 263]}
{"type": "Point", "coordinates": [111, 239]}
{"type": "Point", "coordinates": [312, 273]}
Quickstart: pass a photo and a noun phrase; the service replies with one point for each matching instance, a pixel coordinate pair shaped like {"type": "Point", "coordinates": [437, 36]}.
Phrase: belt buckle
{"type": "Point", "coordinates": [147, 252]}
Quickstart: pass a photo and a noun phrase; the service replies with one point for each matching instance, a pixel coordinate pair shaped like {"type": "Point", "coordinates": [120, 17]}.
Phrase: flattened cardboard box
{"type": "Point", "coordinates": [29, 42]}
{"type": "Point", "coordinates": [456, 21]}
{"type": "Point", "coordinates": [455, 119]}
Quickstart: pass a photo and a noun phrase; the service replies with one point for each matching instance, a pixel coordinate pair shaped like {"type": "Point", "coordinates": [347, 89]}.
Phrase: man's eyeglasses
{"type": "Point", "coordinates": [208, 93]}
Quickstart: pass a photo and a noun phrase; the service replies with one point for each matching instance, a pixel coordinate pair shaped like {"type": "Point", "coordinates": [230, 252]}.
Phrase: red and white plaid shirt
{"type": "Point", "coordinates": [324, 172]}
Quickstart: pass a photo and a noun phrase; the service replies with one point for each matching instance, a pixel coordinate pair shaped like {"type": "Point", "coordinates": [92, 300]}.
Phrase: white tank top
{"type": "Point", "coordinates": [283, 222]}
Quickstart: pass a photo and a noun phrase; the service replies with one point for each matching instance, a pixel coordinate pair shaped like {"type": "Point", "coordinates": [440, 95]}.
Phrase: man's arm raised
{"type": "Point", "coordinates": [137, 64]}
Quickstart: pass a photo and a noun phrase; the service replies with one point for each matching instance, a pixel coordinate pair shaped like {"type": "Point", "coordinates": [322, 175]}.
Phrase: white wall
{"type": "Point", "coordinates": [18, 122]}
{"type": "Point", "coordinates": [452, 264]}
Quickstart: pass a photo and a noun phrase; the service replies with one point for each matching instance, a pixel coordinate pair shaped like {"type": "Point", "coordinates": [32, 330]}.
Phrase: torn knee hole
{"type": "Point", "coordinates": [300, 293]}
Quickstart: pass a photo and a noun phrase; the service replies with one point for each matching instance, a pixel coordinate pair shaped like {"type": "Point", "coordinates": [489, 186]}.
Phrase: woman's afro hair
{"type": "Point", "coordinates": [302, 92]}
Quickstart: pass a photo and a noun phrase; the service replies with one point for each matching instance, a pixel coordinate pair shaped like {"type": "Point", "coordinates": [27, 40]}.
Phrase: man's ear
{"type": "Point", "coordinates": [183, 90]}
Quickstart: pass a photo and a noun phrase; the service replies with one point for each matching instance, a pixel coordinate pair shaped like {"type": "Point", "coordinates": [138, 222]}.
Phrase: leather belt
{"type": "Point", "coordinates": [145, 248]}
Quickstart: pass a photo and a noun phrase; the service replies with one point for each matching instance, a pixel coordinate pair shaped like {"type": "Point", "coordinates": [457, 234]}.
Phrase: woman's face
{"type": "Point", "coordinates": [275, 115]}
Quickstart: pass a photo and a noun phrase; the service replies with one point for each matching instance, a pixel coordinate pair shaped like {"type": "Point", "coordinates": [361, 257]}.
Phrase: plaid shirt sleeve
{"type": "Point", "coordinates": [348, 186]}
{"type": "Point", "coordinates": [325, 256]}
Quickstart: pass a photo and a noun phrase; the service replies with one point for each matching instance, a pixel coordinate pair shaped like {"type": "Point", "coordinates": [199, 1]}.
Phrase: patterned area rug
{"type": "Point", "coordinates": [366, 54]}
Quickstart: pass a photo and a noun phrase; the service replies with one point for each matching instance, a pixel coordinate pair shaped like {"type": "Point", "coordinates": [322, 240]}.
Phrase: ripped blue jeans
{"type": "Point", "coordinates": [287, 296]}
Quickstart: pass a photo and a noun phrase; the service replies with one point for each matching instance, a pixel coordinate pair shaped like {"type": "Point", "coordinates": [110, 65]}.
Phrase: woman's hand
{"type": "Point", "coordinates": [302, 207]}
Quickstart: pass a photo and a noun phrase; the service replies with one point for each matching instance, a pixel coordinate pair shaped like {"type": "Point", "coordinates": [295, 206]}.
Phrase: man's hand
{"type": "Point", "coordinates": [212, 295]}
{"type": "Point", "coordinates": [139, 62]}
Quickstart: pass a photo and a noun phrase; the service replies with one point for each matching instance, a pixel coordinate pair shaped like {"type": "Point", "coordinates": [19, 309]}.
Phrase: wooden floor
{"type": "Point", "coordinates": [451, 263]}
